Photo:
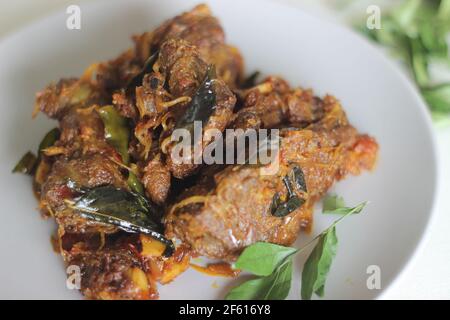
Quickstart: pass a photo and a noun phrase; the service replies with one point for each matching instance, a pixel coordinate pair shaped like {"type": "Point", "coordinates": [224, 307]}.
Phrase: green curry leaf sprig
{"type": "Point", "coordinates": [417, 33]}
{"type": "Point", "coordinates": [272, 264]}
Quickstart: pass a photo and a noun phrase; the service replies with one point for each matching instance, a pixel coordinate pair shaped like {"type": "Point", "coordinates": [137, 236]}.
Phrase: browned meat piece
{"type": "Point", "coordinates": [114, 264]}
{"type": "Point", "coordinates": [152, 99]}
{"type": "Point", "coordinates": [305, 108]}
{"type": "Point", "coordinates": [180, 73]}
{"type": "Point", "coordinates": [112, 274]}
{"type": "Point", "coordinates": [124, 105]}
{"type": "Point", "coordinates": [182, 66]}
{"type": "Point", "coordinates": [199, 28]}
{"type": "Point", "coordinates": [229, 63]}
{"type": "Point", "coordinates": [115, 74]}
{"type": "Point", "coordinates": [152, 102]}
{"type": "Point", "coordinates": [187, 44]}
{"type": "Point", "coordinates": [219, 119]}
{"type": "Point", "coordinates": [58, 98]}
{"type": "Point", "coordinates": [54, 99]}
{"type": "Point", "coordinates": [186, 71]}
{"type": "Point", "coordinates": [217, 221]}
{"type": "Point", "coordinates": [111, 265]}
{"type": "Point", "coordinates": [120, 265]}
{"type": "Point", "coordinates": [83, 158]}
{"type": "Point", "coordinates": [156, 180]}
{"type": "Point", "coordinates": [86, 171]}
{"type": "Point", "coordinates": [272, 103]}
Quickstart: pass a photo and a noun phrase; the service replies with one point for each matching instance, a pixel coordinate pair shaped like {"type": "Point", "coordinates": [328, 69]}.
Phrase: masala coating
{"type": "Point", "coordinates": [216, 221]}
{"type": "Point", "coordinates": [213, 210]}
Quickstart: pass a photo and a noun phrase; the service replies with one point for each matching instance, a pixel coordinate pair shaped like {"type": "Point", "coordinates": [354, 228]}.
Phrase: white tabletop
{"type": "Point", "coordinates": [427, 277]}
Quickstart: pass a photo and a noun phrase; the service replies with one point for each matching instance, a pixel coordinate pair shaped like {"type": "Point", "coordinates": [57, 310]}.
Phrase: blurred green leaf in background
{"type": "Point", "coordinates": [417, 32]}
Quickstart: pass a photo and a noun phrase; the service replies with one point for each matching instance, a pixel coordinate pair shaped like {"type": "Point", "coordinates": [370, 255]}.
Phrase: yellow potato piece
{"type": "Point", "coordinates": [174, 270]}
{"type": "Point", "coordinates": [139, 278]}
{"type": "Point", "coordinates": [151, 247]}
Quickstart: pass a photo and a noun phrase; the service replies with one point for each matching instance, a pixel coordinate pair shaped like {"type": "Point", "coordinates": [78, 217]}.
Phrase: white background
{"type": "Point", "coordinates": [428, 277]}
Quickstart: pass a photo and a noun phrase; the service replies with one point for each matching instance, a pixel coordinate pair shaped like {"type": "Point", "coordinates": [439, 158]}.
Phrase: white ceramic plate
{"type": "Point", "coordinates": [275, 39]}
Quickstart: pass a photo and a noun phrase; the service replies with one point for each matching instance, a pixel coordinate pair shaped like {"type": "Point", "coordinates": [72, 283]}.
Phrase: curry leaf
{"type": "Point", "coordinates": [263, 258]}
{"type": "Point", "coordinates": [406, 13]}
{"type": "Point", "coordinates": [147, 68]}
{"type": "Point", "coordinates": [29, 161]}
{"type": "Point", "coordinates": [419, 62]}
{"type": "Point", "coordinates": [318, 264]}
{"type": "Point", "coordinates": [417, 32]}
{"type": "Point", "coordinates": [442, 120]}
{"type": "Point", "coordinates": [279, 208]}
{"type": "Point", "coordinates": [275, 286]}
{"type": "Point", "coordinates": [284, 208]}
{"type": "Point", "coordinates": [250, 81]}
{"type": "Point", "coordinates": [298, 177]}
{"type": "Point", "coordinates": [134, 183]}
{"type": "Point", "coordinates": [444, 9]}
{"type": "Point", "coordinates": [119, 203]}
{"type": "Point", "coordinates": [331, 203]}
{"type": "Point", "coordinates": [203, 103]}
{"type": "Point", "coordinates": [127, 210]}
{"type": "Point", "coordinates": [26, 164]}
{"type": "Point", "coordinates": [273, 264]}
{"type": "Point", "coordinates": [438, 97]}
{"type": "Point", "coordinates": [117, 132]}
{"type": "Point", "coordinates": [336, 205]}
{"type": "Point", "coordinates": [49, 139]}
{"type": "Point", "coordinates": [433, 38]}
